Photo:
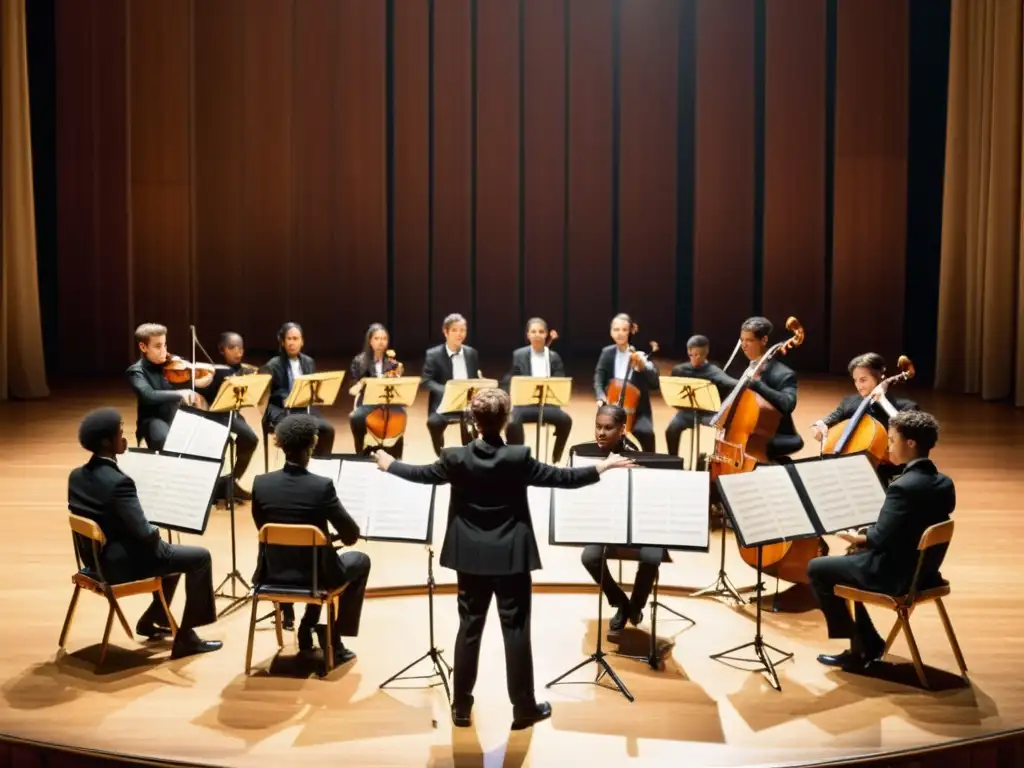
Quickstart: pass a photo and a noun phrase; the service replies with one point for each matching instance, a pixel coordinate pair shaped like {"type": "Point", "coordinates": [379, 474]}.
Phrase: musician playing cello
{"type": "Point", "coordinates": [617, 361]}
{"type": "Point", "coordinates": [371, 363]}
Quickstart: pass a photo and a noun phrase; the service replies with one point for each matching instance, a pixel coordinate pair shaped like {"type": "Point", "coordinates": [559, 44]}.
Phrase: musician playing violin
{"type": "Point", "coordinates": [539, 360]}
{"type": "Point", "coordinates": [697, 367]}
{"type": "Point", "coordinates": [615, 362]}
{"type": "Point", "coordinates": [371, 363]}
{"type": "Point", "coordinates": [157, 399]}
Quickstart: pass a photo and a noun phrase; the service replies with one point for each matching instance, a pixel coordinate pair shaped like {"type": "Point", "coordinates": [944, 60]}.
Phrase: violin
{"type": "Point", "coordinates": [861, 432]}
{"type": "Point", "coordinates": [179, 371]}
{"type": "Point", "coordinates": [386, 423]}
{"type": "Point", "coordinates": [623, 392]}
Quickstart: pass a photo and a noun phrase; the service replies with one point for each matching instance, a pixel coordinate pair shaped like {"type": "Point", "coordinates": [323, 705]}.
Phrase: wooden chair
{"type": "Point", "coordinates": [282, 535]}
{"type": "Point", "coordinates": [904, 605]}
{"type": "Point", "coordinates": [92, 579]}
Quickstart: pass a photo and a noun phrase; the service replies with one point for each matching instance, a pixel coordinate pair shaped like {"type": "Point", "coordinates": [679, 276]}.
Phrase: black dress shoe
{"type": "Point", "coordinates": [461, 717]}
{"type": "Point", "coordinates": [618, 621]}
{"type": "Point", "coordinates": [636, 618]}
{"type": "Point", "coordinates": [851, 661]}
{"type": "Point", "coordinates": [836, 659]}
{"type": "Point", "coordinates": [305, 636]}
{"type": "Point", "coordinates": [193, 645]}
{"type": "Point", "coordinates": [524, 717]}
{"type": "Point", "coordinates": [152, 630]}
{"type": "Point", "coordinates": [342, 655]}
{"type": "Point", "coordinates": [241, 494]}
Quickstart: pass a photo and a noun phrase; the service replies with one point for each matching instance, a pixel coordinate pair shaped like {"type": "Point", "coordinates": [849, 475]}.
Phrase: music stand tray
{"type": "Point", "coordinates": [458, 393]}
{"type": "Point", "coordinates": [693, 395]}
{"type": "Point", "coordinates": [385, 392]}
{"type": "Point", "coordinates": [315, 389]}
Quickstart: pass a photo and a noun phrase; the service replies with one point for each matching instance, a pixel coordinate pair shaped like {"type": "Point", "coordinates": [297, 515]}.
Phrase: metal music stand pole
{"type": "Point", "coordinates": [234, 577]}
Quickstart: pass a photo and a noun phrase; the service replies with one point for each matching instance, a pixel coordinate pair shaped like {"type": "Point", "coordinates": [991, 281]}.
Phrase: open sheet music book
{"type": "Point", "coordinates": [194, 433]}
{"type": "Point", "coordinates": [804, 499]}
{"type": "Point", "coordinates": [386, 507]}
{"type": "Point", "coordinates": [175, 492]}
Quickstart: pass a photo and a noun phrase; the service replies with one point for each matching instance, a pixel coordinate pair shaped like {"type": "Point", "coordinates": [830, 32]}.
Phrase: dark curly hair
{"type": "Point", "coordinates": [296, 435]}
{"type": "Point", "coordinates": [921, 427]}
{"type": "Point", "coordinates": [618, 414]}
{"type": "Point", "coordinates": [490, 408]}
{"type": "Point", "coordinates": [97, 426]}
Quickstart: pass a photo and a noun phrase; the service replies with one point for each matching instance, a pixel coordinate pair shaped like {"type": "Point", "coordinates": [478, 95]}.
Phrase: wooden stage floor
{"type": "Point", "coordinates": [694, 712]}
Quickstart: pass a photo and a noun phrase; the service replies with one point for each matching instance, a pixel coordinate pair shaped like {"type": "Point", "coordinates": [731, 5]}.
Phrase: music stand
{"type": "Point", "coordinates": [535, 390]}
{"type": "Point", "coordinates": [236, 393]}
{"type": "Point", "coordinates": [695, 395]}
{"type": "Point", "coordinates": [387, 393]}
{"type": "Point", "coordinates": [458, 393]}
{"type": "Point", "coordinates": [312, 390]}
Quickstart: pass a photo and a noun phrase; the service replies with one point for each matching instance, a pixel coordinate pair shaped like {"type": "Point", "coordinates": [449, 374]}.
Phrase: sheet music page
{"type": "Point", "coordinates": [196, 436]}
{"type": "Point", "coordinates": [356, 481]}
{"type": "Point", "coordinates": [594, 514]}
{"type": "Point", "coordinates": [670, 507]}
{"type": "Point", "coordinates": [173, 490]}
{"type": "Point", "coordinates": [766, 505]}
{"type": "Point", "coordinates": [330, 468]}
{"type": "Point", "coordinates": [398, 509]}
{"type": "Point", "coordinates": [845, 492]}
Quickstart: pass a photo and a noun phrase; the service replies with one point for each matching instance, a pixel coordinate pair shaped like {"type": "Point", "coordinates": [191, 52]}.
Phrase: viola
{"type": "Point", "coordinates": [179, 371]}
{"type": "Point", "coordinates": [623, 392]}
{"type": "Point", "coordinates": [386, 423]}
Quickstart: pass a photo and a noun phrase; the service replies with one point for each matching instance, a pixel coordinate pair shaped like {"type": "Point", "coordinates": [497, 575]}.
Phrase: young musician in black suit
{"type": "Point", "coordinates": [610, 438]}
{"type": "Point", "coordinates": [614, 363]}
{"type": "Point", "coordinates": [445, 362]}
{"type": "Point", "coordinates": [284, 369]}
{"type": "Point", "coordinates": [295, 496]}
{"type": "Point", "coordinates": [371, 363]}
{"type": "Point", "coordinates": [490, 543]}
{"type": "Point", "coordinates": [157, 399]}
{"type": "Point", "coordinates": [232, 349]}
{"type": "Point", "coordinates": [885, 557]}
{"type": "Point", "coordinates": [537, 359]}
{"type": "Point", "coordinates": [697, 367]}
{"type": "Point", "coordinates": [134, 550]}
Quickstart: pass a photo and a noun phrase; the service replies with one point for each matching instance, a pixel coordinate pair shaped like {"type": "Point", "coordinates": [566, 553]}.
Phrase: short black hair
{"type": "Point", "coordinates": [289, 326]}
{"type": "Point", "coordinates": [873, 361]}
{"type": "Point", "coordinates": [759, 326]}
{"type": "Point", "coordinates": [296, 434]}
{"type": "Point", "coordinates": [98, 426]}
{"type": "Point", "coordinates": [921, 427]}
{"type": "Point", "coordinates": [618, 414]}
{"type": "Point", "coordinates": [228, 337]}
{"type": "Point", "coordinates": [698, 341]}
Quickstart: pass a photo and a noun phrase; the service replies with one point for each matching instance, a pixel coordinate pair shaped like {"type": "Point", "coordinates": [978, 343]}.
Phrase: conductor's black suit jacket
{"type": "Point", "coordinates": [490, 532]}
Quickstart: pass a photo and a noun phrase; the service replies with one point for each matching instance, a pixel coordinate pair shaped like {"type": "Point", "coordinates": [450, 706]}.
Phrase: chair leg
{"type": "Point", "coordinates": [914, 652]}
{"type": "Point", "coordinates": [69, 617]}
{"type": "Point", "coordinates": [948, 626]}
{"type": "Point", "coordinates": [121, 618]}
{"type": "Point", "coordinates": [278, 624]}
{"type": "Point", "coordinates": [893, 634]}
{"type": "Point", "coordinates": [329, 656]}
{"type": "Point", "coordinates": [167, 612]}
{"type": "Point", "coordinates": [252, 634]}
{"type": "Point", "coordinates": [106, 634]}
{"type": "Point", "coordinates": [266, 452]}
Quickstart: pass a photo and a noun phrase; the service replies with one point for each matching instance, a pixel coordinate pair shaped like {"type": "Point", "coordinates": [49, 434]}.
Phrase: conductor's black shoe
{"type": "Point", "coordinates": [618, 621]}
{"type": "Point", "coordinates": [524, 717]}
{"type": "Point", "coordinates": [462, 715]}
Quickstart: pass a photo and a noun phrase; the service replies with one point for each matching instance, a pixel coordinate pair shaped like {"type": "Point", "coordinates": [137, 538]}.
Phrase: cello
{"type": "Point", "coordinates": [622, 392]}
{"type": "Point", "coordinates": [745, 423]}
{"type": "Point", "coordinates": [386, 423]}
{"type": "Point", "coordinates": [861, 432]}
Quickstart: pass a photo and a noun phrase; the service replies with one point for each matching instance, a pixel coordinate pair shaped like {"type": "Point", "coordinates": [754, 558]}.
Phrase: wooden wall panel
{"type": "Point", "coordinates": [498, 324]}
{"type": "Point", "coordinates": [869, 246]}
{"type": "Point", "coordinates": [794, 178]}
{"type": "Point", "coordinates": [647, 160]}
{"type": "Point", "coordinates": [544, 123]}
{"type": "Point", "coordinates": [451, 259]}
{"type": "Point", "coordinates": [723, 268]}
{"type": "Point", "coordinates": [267, 234]}
{"type": "Point", "coordinates": [360, 284]}
{"type": "Point", "coordinates": [220, 262]}
{"type": "Point", "coordinates": [414, 327]}
{"type": "Point", "coordinates": [590, 172]}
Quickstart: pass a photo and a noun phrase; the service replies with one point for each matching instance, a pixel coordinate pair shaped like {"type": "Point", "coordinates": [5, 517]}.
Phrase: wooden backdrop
{"type": "Point", "coordinates": [239, 163]}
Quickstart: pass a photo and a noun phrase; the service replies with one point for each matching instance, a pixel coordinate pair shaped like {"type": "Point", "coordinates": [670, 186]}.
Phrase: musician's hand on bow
{"type": "Point", "coordinates": [878, 392]}
{"type": "Point", "coordinates": [820, 430]}
{"type": "Point", "coordinates": [384, 460]}
{"type": "Point", "coordinates": [614, 461]}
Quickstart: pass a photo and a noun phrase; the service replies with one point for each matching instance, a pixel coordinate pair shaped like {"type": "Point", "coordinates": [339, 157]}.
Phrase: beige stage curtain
{"type": "Point", "coordinates": [981, 289]}
{"type": "Point", "coordinates": [22, 366]}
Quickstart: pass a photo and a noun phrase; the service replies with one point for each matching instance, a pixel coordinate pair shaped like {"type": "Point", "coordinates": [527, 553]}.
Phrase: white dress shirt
{"type": "Point", "coordinates": [458, 362]}
{"type": "Point", "coordinates": [540, 363]}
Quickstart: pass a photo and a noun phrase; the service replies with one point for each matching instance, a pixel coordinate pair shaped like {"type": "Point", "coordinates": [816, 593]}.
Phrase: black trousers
{"type": "Point", "coordinates": [197, 567]}
{"type": "Point", "coordinates": [438, 422]}
{"type": "Point", "coordinates": [530, 414]}
{"type": "Point", "coordinates": [643, 431]}
{"type": "Point", "coordinates": [682, 421]}
{"type": "Point", "coordinates": [355, 568]}
{"type": "Point", "coordinates": [781, 446]}
{"type": "Point", "coordinates": [325, 430]}
{"type": "Point", "coordinates": [825, 573]}
{"type": "Point", "coordinates": [154, 432]}
{"type": "Point", "coordinates": [357, 422]}
{"type": "Point", "coordinates": [650, 560]}
{"type": "Point", "coordinates": [245, 444]}
{"type": "Point", "coordinates": [514, 594]}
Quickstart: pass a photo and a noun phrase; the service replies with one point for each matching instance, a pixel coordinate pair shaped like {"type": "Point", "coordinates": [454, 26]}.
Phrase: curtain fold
{"type": "Point", "coordinates": [22, 363]}
{"type": "Point", "coordinates": [980, 340]}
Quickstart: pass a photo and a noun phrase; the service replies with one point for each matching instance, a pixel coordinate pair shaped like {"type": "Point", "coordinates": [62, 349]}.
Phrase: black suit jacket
{"type": "Point", "coordinates": [849, 405]}
{"type": "Point", "coordinates": [281, 385]}
{"type": "Point", "coordinates": [490, 532]}
{"type": "Point", "coordinates": [919, 498]}
{"type": "Point", "coordinates": [156, 397]}
{"type": "Point", "coordinates": [646, 381]}
{"type": "Point", "coordinates": [521, 365]}
{"type": "Point", "coordinates": [777, 385]}
{"type": "Point", "coordinates": [295, 496]}
{"type": "Point", "coordinates": [103, 493]}
{"type": "Point", "coordinates": [437, 371]}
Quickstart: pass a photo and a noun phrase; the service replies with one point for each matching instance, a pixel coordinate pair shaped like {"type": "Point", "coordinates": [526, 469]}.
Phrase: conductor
{"type": "Point", "coordinates": [490, 543]}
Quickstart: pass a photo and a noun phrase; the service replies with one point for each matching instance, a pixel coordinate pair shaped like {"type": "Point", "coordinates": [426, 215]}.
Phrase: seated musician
{"type": "Point", "coordinates": [697, 367]}
{"type": "Point", "coordinates": [867, 372]}
{"type": "Point", "coordinates": [614, 363]}
{"type": "Point", "coordinates": [885, 557]}
{"type": "Point", "coordinates": [157, 399]}
{"type": "Point", "coordinates": [284, 369]}
{"type": "Point", "coordinates": [370, 363]}
{"type": "Point", "coordinates": [452, 360]}
{"type": "Point", "coordinates": [134, 550]}
{"type": "Point", "coordinates": [295, 496]}
{"type": "Point", "coordinates": [537, 359]}
{"type": "Point", "coordinates": [232, 349]}
{"type": "Point", "coordinates": [776, 383]}
{"type": "Point", "coordinates": [610, 437]}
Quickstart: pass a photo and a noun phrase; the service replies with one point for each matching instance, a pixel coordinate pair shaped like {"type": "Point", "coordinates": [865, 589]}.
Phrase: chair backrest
{"type": "Point", "coordinates": [287, 535]}
{"type": "Point", "coordinates": [83, 526]}
{"type": "Point", "coordinates": [940, 533]}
